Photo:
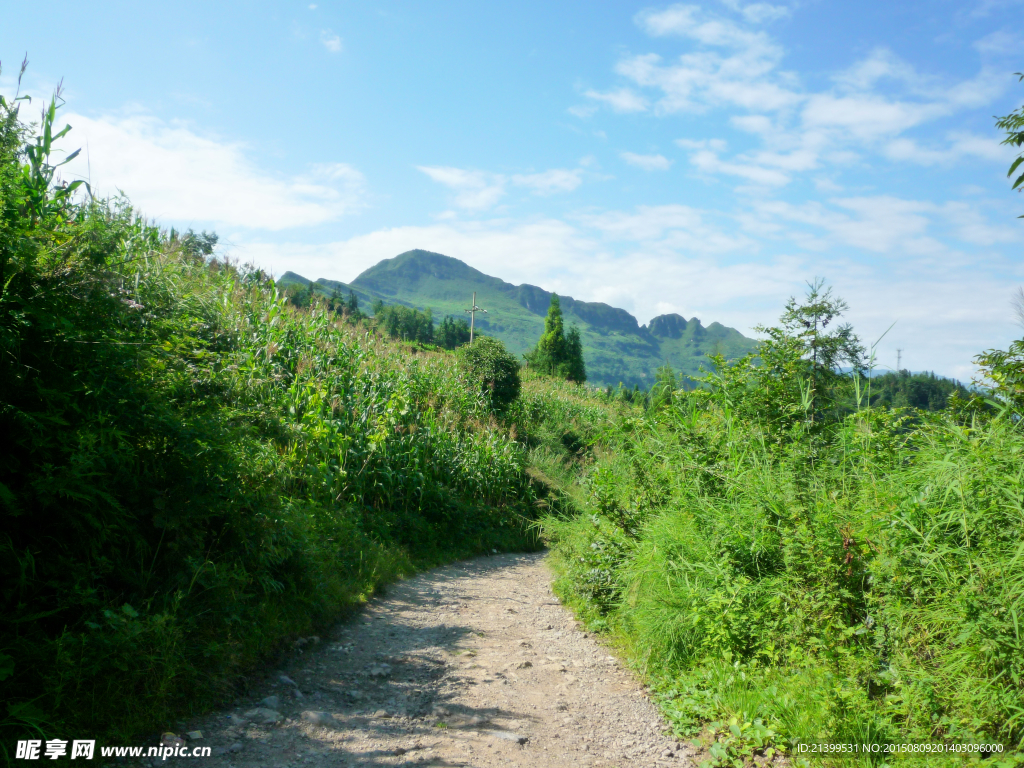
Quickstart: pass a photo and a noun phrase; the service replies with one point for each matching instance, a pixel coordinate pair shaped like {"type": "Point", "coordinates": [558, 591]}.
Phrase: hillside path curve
{"type": "Point", "coordinates": [473, 664]}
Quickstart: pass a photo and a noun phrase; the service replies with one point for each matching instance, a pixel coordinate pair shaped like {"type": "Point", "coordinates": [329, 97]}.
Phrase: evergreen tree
{"type": "Point", "coordinates": [574, 367]}
{"type": "Point", "coordinates": [552, 343]}
{"type": "Point", "coordinates": [558, 353]}
{"type": "Point", "coordinates": [404, 323]}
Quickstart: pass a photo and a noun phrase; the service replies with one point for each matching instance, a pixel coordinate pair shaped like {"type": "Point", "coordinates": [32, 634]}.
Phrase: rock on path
{"type": "Point", "coordinates": [474, 664]}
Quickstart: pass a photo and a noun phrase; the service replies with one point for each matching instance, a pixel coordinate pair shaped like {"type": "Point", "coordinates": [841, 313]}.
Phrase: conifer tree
{"type": "Point", "coordinates": [552, 343]}
{"type": "Point", "coordinates": [575, 368]}
{"type": "Point", "coordinates": [558, 353]}
{"type": "Point", "coordinates": [352, 304]}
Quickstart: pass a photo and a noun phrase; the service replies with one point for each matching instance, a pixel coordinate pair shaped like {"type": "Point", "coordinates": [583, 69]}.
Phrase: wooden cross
{"type": "Point", "coordinates": [472, 316]}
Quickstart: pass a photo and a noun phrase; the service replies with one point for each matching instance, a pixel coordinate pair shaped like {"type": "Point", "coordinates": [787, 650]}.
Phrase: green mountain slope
{"type": "Point", "coordinates": [616, 347]}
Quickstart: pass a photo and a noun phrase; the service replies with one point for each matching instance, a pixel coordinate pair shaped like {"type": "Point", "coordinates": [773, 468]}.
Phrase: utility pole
{"type": "Point", "coordinates": [472, 316]}
{"type": "Point", "coordinates": [899, 357]}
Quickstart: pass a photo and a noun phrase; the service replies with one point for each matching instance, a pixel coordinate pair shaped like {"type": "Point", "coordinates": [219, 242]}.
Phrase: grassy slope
{"type": "Point", "coordinates": [615, 346]}
{"type": "Point", "coordinates": [218, 473]}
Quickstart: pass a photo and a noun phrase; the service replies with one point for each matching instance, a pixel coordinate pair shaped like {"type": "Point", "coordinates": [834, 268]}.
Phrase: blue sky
{"type": "Point", "coordinates": [706, 159]}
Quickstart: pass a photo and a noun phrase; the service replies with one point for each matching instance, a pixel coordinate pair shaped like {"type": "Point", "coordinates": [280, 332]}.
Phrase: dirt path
{"type": "Point", "coordinates": [475, 664]}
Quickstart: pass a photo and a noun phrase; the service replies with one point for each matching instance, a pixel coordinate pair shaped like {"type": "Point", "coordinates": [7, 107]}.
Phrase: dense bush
{"type": "Point", "coordinates": [496, 369]}
{"type": "Point", "coordinates": [193, 472]}
{"type": "Point", "coordinates": [850, 578]}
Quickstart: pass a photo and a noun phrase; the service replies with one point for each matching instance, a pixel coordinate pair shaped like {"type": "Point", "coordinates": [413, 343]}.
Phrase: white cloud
{"type": "Point", "coordinates": [880, 64]}
{"type": "Point", "coordinates": [622, 100]}
{"type": "Point", "coordinates": [757, 124]}
{"type": "Point", "coordinates": [709, 162]}
{"type": "Point", "coordinates": [550, 182]}
{"type": "Point", "coordinates": [331, 41]}
{"type": "Point", "coordinates": [690, 21]}
{"type": "Point", "coordinates": [866, 117]}
{"type": "Point", "coordinates": [758, 13]}
{"type": "Point", "coordinates": [479, 190]}
{"type": "Point", "coordinates": [647, 162]}
{"type": "Point", "coordinates": [475, 190]}
{"type": "Point", "coordinates": [718, 145]}
{"type": "Point", "coordinates": [582, 110]}
{"type": "Point", "coordinates": [730, 64]}
{"type": "Point", "coordinates": [666, 229]}
{"type": "Point", "coordinates": [960, 145]}
{"type": "Point", "coordinates": [173, 172]}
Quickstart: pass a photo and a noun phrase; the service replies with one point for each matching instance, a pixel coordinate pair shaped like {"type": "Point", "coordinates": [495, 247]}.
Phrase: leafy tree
{"type": "Point", "coordinates": [300, 296]}
{"type": "Point", "coordinates": [1003, 372]}
{"type": "Point", "coordinates": [795, 377]}
{"type": "Point", "coordinates": [494, 367]}
{"type": "Point", "coordinates": [198, 246]}
{"type": "Point", "coordinates": [803, 329]}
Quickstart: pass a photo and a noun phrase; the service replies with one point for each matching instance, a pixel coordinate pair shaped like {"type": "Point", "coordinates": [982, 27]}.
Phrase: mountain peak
{"type": "Point", "coordinates": [671, 326]}
{"type": "Point", "coordinates": [616, 347]}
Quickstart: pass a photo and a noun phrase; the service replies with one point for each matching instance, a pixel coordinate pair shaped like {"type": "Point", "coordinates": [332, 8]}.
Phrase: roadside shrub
{"type": "Point", "coordinates": [496, 369]}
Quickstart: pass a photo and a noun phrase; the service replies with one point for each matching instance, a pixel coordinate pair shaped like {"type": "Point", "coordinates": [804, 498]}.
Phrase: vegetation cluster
{"type": "Point", "coordinates": [194, 472]}
{"type": "Point", "coordinates": [558, 352]}
{"type": "Point", "coordinates": [783, 551]}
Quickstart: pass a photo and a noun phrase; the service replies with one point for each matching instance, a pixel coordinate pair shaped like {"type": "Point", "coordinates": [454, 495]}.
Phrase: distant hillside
{"type": "Point", "coordinates": [617, 348]}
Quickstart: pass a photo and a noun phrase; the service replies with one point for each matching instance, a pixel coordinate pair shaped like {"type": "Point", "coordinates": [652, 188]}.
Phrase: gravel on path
{"type": "Point", "coordinates": [473, 664]}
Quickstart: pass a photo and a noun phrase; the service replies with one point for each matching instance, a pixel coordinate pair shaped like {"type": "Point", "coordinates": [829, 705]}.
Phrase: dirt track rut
{"type": "Point", "coordinates": [474, 664]}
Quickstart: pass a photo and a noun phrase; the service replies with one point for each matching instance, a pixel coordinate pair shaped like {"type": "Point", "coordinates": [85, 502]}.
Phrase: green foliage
{"type": "Point", "coordinates": [663, 393]}
{"type": "Point", "coordinates": [854, 579]}
{"type": "Point", "coordinates": [558, 353]}
{"type": "Point", "coordinates": [552, 341]}
{"type": "Point", "coordinates": [403, 323]}
{"type": "Point", "coordinates": [488, 362]}
{"type": "Point", "coordinates": [822, 353]}
{"type": "Point", "coordinates": [1013, 124]}
{"type": "Point", "coordinates": [1004, 372]}
{"type": "Point", "coordinates": [452, 333]}
{"type": "Point", "coordinates": [574, 365]}
{"type": "Point", "coordinates": [924, 391]}
{"type": "Point", "coordinates": [194, 471]}
{"type": "Point", "coordinates": [736, 743]}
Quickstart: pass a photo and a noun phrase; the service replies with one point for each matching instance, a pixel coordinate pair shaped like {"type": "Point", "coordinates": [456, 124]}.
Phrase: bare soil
{"type": "Point", "coordinates": [474, 664]}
